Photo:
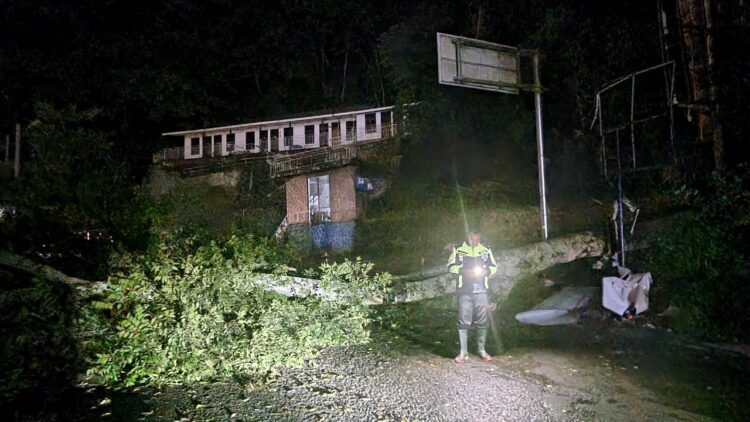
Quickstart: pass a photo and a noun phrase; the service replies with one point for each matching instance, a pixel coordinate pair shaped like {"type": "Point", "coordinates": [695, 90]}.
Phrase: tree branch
{"type": "Point", "coordinates": [18, 262]}
{"type": "Point", "coordinates": [512, 266]}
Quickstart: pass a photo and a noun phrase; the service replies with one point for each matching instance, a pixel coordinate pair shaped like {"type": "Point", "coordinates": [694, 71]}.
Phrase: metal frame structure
{"type": "Point", "coordinates": [633, 122]}
{"type": "Point", "coordinates": [669, 76]}
{"type": "Point", "coordinates": [461, 80]}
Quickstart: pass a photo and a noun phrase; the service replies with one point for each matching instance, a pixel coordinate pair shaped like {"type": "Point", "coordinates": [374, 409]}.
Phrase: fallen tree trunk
{"type": "Point", "coordinates": [513, 265]}
{"type": "Point", "coordinates": [18, 262]}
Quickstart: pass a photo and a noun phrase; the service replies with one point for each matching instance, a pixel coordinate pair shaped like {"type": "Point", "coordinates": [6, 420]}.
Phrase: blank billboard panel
{"type": "Point", "coordinates": [477, 64]}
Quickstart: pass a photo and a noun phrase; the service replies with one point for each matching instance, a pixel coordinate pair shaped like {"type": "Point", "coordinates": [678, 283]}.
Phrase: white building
{"type": "Point", "coordinates": [300, 132]}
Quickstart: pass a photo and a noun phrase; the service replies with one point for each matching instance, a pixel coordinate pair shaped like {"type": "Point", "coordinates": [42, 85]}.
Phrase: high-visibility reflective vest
{"type": "Point", "coordinates": [474, 266]}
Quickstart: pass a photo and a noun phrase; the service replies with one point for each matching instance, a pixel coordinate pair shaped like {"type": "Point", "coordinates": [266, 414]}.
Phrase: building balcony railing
{"type": "Point", "coordinates": [178, 154]}
{"type": "Point", "coordinates": [337, 153]}
{"type": "Point", "coordinates": [292, 164]}
{"type": "Point", "coordinates": [333, 137]}
{"type": "Point", "coordinates": [169, 154]}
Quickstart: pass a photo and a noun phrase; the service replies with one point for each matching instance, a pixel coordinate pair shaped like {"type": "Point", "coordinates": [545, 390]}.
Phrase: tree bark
{"type": "Point", "coordinates": [512, 266]}
{"type": "Point", "coordinates": [690, 24]}
{"type": "Point", "coordinates": [380, 75]}
{"type": "Point", "coordinates": [478, 24]}
{"type": "Point", "coordinates": [9, 259]}
{"type": "Point", "coordinates": [713, 89]}
{"type": "Point", "coordinates": [370, 71]}
{"type": "Point", "coordinates": [256, 77]}
{"type": "Point", "coordinates": [343, 78]}
{"type": "Point", "coordinates": [697, 31]}
{"type": "Point", "coordinates": [17, 158]}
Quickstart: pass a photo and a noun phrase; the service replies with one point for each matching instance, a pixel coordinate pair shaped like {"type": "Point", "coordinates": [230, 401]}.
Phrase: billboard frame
{"type": "Point", "coordinates": [504, 88]}
{"type": "Point", "coordinates": [461, 80]}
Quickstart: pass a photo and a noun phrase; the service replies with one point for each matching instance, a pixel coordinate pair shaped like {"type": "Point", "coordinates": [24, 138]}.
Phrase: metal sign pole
{"type": "Point", "coordinates": [540, 144]}
{"type": "Point", "coordinates": [477, 64]}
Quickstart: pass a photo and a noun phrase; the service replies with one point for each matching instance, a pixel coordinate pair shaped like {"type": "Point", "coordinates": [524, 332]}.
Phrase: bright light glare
{"type": "Point", "coordinates": [478, 271]}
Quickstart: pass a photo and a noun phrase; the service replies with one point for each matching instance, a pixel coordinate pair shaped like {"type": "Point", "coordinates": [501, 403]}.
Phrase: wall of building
{"type": "Point", "coordinates": [338, 236]}
{"type": "Point", "coordinates": [240, 144]}
{"type": "Point", "coordinates": [362, 134]}
{"type": "Point", "coordinates": [298, 141]}
{"type": "Point", "coordinates": [188, 147]}
{"type": "Point", "coordinates": [343, 196]}
{"type": "Point", "coordinates": [296, 200]}
{"type": "Point", "coordinates": [334, 235]}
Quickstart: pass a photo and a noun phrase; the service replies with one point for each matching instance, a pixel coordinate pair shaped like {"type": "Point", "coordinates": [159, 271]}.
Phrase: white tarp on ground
{"type": "Point", "coordinates": [618, 293]}
{"type": "Point", "coordinates": [563, 307]}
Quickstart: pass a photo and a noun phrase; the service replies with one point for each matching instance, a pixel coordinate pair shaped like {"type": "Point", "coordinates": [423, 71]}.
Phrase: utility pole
{"type": "Point", "coordinates": [17, 161]}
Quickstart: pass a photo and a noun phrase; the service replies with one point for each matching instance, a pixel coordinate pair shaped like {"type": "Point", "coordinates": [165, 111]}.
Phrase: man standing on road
{"type": "Point", "coordinates": [474, 264]}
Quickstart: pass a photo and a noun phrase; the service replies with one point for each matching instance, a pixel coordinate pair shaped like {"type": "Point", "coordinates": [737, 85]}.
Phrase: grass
{"type": "Point", "coordinates": [413, 225]}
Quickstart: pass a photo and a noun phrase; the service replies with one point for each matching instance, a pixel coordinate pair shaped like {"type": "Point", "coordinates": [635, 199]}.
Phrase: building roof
{"type": "Point", "coordinates": [327, 113]}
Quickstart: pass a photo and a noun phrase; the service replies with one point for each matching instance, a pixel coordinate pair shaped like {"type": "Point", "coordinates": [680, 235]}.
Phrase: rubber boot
{"type": "Point", "coordinates": [481, 339]}
{"type": "Point", "coordinates": [463, 339]}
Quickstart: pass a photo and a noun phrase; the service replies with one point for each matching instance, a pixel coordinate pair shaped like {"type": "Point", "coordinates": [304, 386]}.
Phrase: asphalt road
{"type": "Point", "coordinates": [370, 385]}
{"type": "Point", "coordinates": [397, 380]}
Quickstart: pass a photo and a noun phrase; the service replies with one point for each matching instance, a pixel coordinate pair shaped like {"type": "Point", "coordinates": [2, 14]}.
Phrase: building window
{"type": "Point", "coordinates": [335, 132]}
{"type": "Point", "coordinates": [217, 145]}
{"type": "Point", "coordinates": [370, 125]}
{"type": "Point", "coordinates": [319, 198]}
{"type": "Point", "coordinates": [230, 142]}
{"type": "Point", "coordinates": [288, 136]}
{"type": "Point", "coordinates": [274, 139]}
{"type": "Point", "coordinates": [249, 140]}
{"type": "Point", "coordinates": [351, 131]}
{"type": "Point", "coordinates": [309, 134]}
{"type": "Point", "coordinates": [385, 123]}
{"type": "Point", "coordinates": [206, 146]}
{"type": "Point", "coordinates": [195, 146]}
{"type": "Point", "coordinates": [264, 140]}
{"type": "Point", "coordinates": [323, 134]}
